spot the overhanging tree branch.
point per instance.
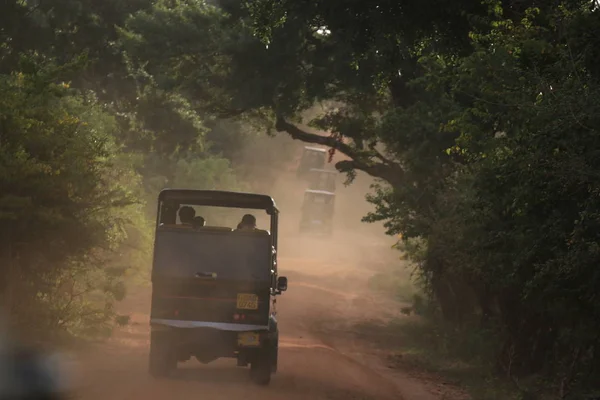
(282, 125)
(360, 160)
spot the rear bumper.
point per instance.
(209, 341)
(221, 326)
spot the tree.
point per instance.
(478, 119)
(65, 205)
(87, 139)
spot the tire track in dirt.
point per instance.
(321, 355)
(308, 368)
(340, 326)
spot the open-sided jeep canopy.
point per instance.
(312, 157)
(318, 149)
(170, 199)
(219, 198)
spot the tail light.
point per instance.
(239, 317)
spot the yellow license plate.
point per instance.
(247, 301)
(248, 339)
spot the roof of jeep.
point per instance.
(219, 198)
(327, 171)
(319, 149)
(312, 191)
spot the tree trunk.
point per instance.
(9, 273)
(485, 300)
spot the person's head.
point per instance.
(248, 222)
(186, 214)
(198, 222)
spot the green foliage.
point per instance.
(508, 237)
(209, 173)
(66, 205)
(395, 283)
(478, 120)
(87, 140)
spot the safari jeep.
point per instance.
(312, 158)
(214, 288)
(317, 212)
(323, 179)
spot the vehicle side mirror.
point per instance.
(282, 284)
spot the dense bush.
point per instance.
(87, 139)
(67, 203)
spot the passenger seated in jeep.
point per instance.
(186, 215)
(248, 223)
(198, 222)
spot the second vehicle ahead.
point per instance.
(312, 158)
(323, 179)
(317, 212)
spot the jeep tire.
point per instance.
(162, 359)
(274, 354)
(261, 366)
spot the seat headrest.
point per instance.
(260, 232)
(214, 228)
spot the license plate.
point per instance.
(248, 339)
(316, 222)
(247, 301)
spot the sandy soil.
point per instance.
(320, 355)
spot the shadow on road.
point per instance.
(212, 374)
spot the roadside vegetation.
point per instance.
(478, 118)
(86, 143)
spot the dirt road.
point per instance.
(308, 369)
(323, 300)
(319, 357)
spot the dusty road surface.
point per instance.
(311, 314)
(319, 356)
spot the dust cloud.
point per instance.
(354, 249)
(327, 299)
